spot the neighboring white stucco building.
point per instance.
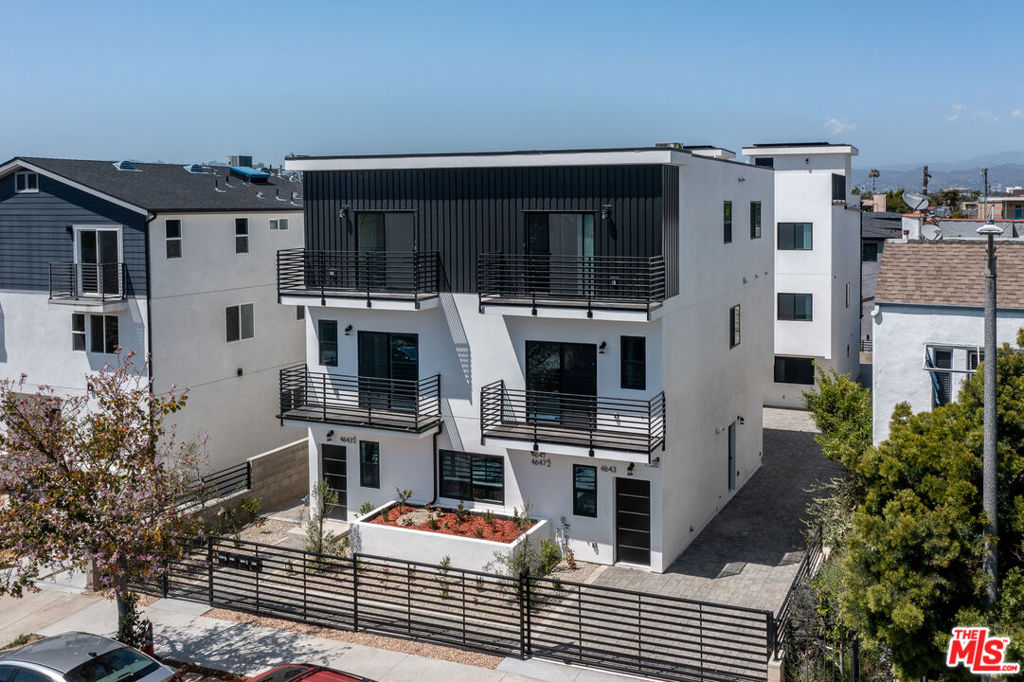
(650, 331)
(817, 264)
(928, 321)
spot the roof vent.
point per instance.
(195, 168)
(249, 174)
(125, 166)
(669, 145)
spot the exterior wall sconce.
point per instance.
(606, 211)
(330, 434)
(348, 330)
(629, 469)
(345, 210)
(719, 429)
(740, 420)
(602, 347)
(741, 179)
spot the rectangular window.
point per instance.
(974, 358)
(104, 333)
(241, 235)
(847, 294)
(26, 182)
(734, 326)
(279, 224)
(584, 490)
(300, 312)
(369, 464)
(795, 307)
(765, 162)
(327, 336)
(633, 371)
(794, 371)
(477, 478)
(240, 323)
(942, 382)
(838, 187)
(172, 235)
(77, 331)
(796, 236)
(869, 252)
(755, 219)
(727, 222)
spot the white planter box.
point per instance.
(429, 547)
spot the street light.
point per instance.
(989, 469)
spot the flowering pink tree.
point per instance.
(92, 481)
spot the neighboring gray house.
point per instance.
(875, 229)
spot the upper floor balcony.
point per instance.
(362, 403)
(605, 287)
(562, 423)
(100, 286)
(388, 280)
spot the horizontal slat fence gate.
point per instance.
(620, 630)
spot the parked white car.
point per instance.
(80, 657)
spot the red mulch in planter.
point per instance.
(498, 530)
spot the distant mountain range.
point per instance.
(1004, 169)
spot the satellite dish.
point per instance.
(931, 232)
(915, 201)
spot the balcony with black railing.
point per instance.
(89, 283)
(590, 283)
(385, 279)
(623, 428)
(370, 403)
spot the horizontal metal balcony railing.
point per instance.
(594, 281)
(88, 281)
(369, 274)
(391, 404)
(567, 419)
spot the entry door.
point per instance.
(98, 256)
(562, 379)
(633, 521)
(732, 456)
(388, 371)
(377, 236)
(334, 468)
(563, 246)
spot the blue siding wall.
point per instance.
(33, 233)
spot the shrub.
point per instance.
(403, 498)
(365, 508)
(550, 555)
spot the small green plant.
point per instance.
(432, 523)
(407, 521)
(442, 574)
(523, 558)
(131, 630)
(570, 559)
(20, 640)
(403, 498)
(447, 525)
(523, 521)
(317, 539)
(550, 555)
(488, 517)
(252, 505)
(365, 508)
(478, 532)
(460, 512)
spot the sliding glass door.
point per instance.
(561, 246)
(561, 383)
(388, 371)
(98, 255)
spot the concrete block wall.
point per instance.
(281, 476)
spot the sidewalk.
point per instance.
(183, 633)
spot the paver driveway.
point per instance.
(748, 554)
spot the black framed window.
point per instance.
(300, 312)
(869, 252)
(838, 187)
(794, 370)
(727, 222)
(172, 235)
(765, 162)
(241, 235)
(796, 236)
(734, 326)
(103, 333)
(239, 322)
(633, 373)
(795, 307)
(77, 331)
(369, 464)
(755, 219)
(476, 478)
(327, 337)
(584, 490)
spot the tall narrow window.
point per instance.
(369, 464)
(755, 219)
(26, 182)
(734, 326)
(300, 312)
(796, 236)
(847, 294)
(942, 381)
(77, 331)
(633, 372)
(795, 307)
(104, 333)
(327, 335)
(727, 222)
(172, 230)
(240, 323)
(241, 235)
(584, 490)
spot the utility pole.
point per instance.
(989, 466)
(984, 172)
(924, 181)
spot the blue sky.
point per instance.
(186, 81)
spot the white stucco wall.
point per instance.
(901, 333)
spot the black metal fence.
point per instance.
(594, 281)
(588, 421)
(395, 404)
(808, 565)
(217, 484)
(358, 273)
(93, 281)
(620, 630)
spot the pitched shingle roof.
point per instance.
(881, 225)
(169, 187)
(949, 273)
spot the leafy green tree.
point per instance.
(894, 201)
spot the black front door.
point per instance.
(633, 521)
(334, 469)
(561, 381)
(388, 371)
(385, 242)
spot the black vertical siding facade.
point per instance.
(34, 233)
(463, 212)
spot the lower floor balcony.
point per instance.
(360, 402)
(620, 428)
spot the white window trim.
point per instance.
(78, 229)
(26, 190)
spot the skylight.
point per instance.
(125, 166)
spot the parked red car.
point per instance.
(306, 672)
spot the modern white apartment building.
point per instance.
(817, 264)
(583, 330)
(175, 263)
